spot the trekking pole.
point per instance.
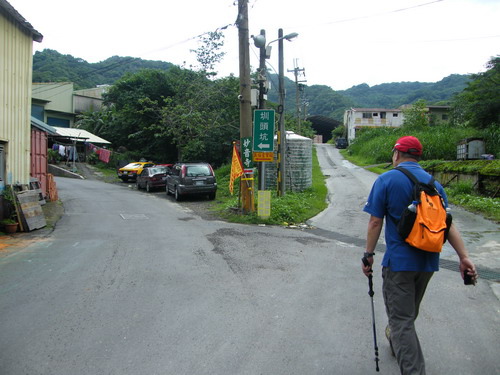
(371, 293)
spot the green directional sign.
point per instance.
(263, 130)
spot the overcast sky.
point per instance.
(340, 43)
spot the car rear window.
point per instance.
(132, 165)
(158, 170)
(198, 170)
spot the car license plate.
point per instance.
(199, 182)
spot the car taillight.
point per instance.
(211, 170)
(183, 171)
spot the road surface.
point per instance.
(135, 283)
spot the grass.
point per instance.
(292, 208)
(372, 149)
(462, 194)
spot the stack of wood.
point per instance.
(52, 188)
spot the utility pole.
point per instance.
(246, 181)
(296, 70)
(281, 110)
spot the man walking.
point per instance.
(406, 271)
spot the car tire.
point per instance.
(211, 196)
(148, 188)
(178, 196)
(137, 185)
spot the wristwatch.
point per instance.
(369, 255)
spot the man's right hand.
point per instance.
(366, 265)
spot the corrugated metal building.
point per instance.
(16, 64)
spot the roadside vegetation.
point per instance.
(291, 209)
(192, 115)
(372, 149)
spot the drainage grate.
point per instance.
(484, 273)
(490, 274)
(134, 217)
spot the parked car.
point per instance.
(152, 178)
(341, 143)
(191, 179)
(132, 170)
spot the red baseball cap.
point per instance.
(410, 145)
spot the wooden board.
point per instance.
(31, 210)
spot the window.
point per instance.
(382, 114)
(375, 114)
(367, 115)
(394, 115)
(54, 121)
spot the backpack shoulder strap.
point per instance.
(412, 177)
(408, 174)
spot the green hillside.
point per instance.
(51, 66)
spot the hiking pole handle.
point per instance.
(370, 281)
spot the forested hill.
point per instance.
(393, 95)
(51, 66)
(323, 100)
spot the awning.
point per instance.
(80, 135)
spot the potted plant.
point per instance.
(10, 223)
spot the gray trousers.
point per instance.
(403, 292)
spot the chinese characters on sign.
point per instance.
(263, 135)
(246, 154)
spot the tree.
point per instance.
(479, 104)
(208, 53)
(137, 101)
(203, 118)
(415, 116)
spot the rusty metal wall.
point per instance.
(16, 62)
(39, 145)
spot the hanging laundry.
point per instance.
(104, 155)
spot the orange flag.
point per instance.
(236, 168)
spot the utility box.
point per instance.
(470, 148)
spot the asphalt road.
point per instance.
(135, 283)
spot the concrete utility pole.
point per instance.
(296, 70)
(281, 111)
(246, 184)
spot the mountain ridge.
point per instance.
(52, 66)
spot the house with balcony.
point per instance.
(356, 119)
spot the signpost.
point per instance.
(263, 135)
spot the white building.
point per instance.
(358, 118)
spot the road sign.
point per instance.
(263, 156)
(263, 130)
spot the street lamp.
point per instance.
(265, 53)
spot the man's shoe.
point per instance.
(388, 335)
